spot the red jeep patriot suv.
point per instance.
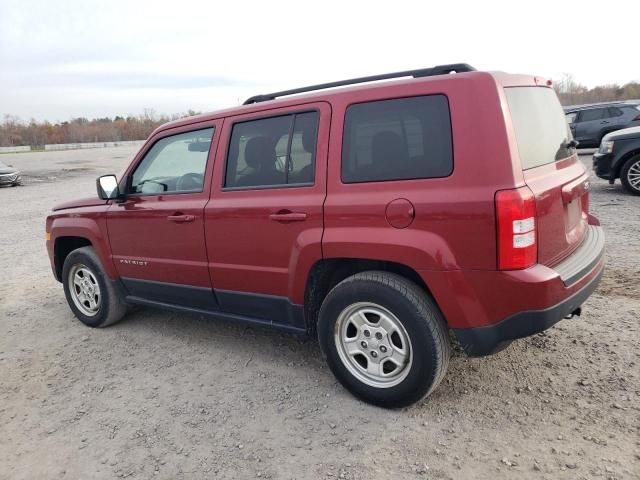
(386, 218)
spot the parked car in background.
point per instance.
(590, 123)
(9, 176)
(379, 218)
(619, 157)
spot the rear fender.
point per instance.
(422, 250)
(304, 255)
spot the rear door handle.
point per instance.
(287, 216)
(179, 218)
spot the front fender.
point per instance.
(91, 226)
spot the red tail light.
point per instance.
(517, 237)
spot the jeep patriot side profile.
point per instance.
(379, 217)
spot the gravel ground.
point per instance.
(166, 395)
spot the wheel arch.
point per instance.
(327, 273)
(69, 234)
(63, 246)
(632, 152)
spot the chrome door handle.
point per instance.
(288, 217)
(178, 218)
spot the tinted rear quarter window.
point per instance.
(400, 139)
(540, 126)
(615, 112)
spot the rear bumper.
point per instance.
(482, 341)
(485, 309)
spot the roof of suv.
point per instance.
(623, 103)
(325, 92)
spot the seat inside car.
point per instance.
(260, 155)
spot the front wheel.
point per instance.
(90, 294)
(630, 175)
(384, 338)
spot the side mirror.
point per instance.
(107, 186)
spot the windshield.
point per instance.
(540, 125)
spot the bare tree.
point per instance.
(13, 131)
(571, 92)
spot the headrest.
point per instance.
(260, 152)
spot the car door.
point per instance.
(590, 124)
(264, 222)
(157, 232)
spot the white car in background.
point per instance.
(9, 176)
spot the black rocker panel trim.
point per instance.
(241, 306)
(266, 307)
(171, 293)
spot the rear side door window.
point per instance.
(592, 114)
(272, 152)
(399, 139)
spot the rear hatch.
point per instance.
(552, 170)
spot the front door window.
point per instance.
(175, 164)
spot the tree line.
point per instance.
(571, 92)
(15, 132)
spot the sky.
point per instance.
(60, 60)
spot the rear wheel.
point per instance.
(384, 338)
(90, 294)
(630, 175)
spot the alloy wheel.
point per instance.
(373, 345)
(633, 175)
(85, 290)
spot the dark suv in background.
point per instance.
(590, 123)
(619, 157)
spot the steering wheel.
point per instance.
(190, 181)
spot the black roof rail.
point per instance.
(423, 72)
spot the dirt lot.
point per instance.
(166, 395)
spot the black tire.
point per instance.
(111, 308)
(625, 172)
(421, 319)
